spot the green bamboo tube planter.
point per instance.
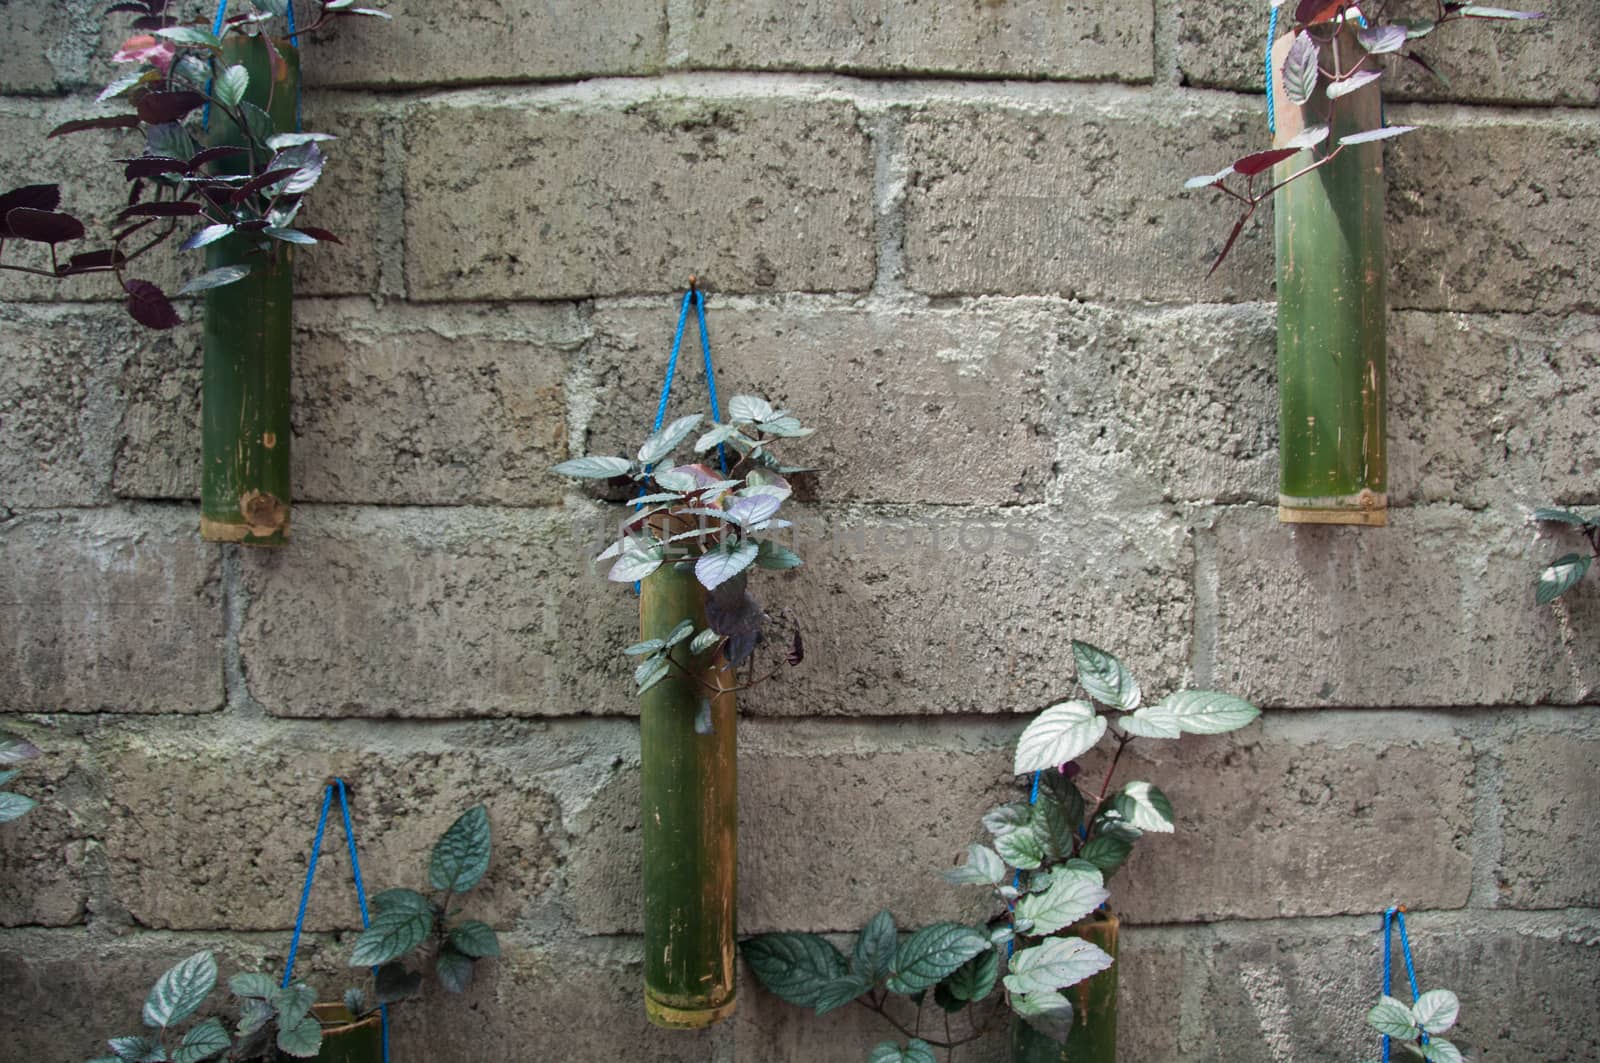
(244, 406)
(345, 1039)
(1331, 314)
(1094, 1009)
(689, 820)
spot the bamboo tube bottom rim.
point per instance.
(1369, 509)
(671, 1017)
(222, 531)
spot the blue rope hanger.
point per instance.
(311, 873)
(1392, 917)
(294, 41)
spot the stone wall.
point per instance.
(953, 234)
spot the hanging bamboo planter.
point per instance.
(244, 482)
(1094, 1009)
(1331, 313)
(689, 789)
(345, 1038)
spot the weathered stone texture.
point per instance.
(1084, 199)
(518, 198)
(208, 836)
(909, 405)
(1468, 230)
(436, 614)
(45, 855)
(1548, 795)
(109, 611)
(1299, 815)
(50, 44)
(1435, 610)
(348, 200)
(1087, 40)
(510, 40)
(1490, 62)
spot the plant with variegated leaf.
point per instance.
(1416, 1029)
(1047, 864)
(1323, 56)
(718, 521)
(1564, 573)
(14, 751)
(181, 78)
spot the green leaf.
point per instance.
(293, 1003)
(462, 854)
(1058, 734)
(355, 1001)
(1152, 721)
(594, 468)
(975, 979)
(724, 561)
(1436, 1010)
(252, 985)
(454, 969)
(875, 948)
(1106, 853)
(215, 278)
(749, 408)
(1441, 1051)
(651, 672)
(666, 441)
(391, 935)
(639, 649)
(704, 641)
(1054, 826)
(181, 990)
(1050, 1013)
(14, 806)
(1479, 11)
(1352, 83)
(135, 1048)
(1300, 69)
(254, 1014)
(840, 991)
(933, 953)
(794, 967)
(947, 1000)
(1561, 576)
(1069, 898)
(1146, 807)
(231, 86)
(14, 750)
(303, 1040)
(1055, 964)
(475, 939)
(393, 983)
(1393, 1019)
(1003, 819)
(1560, 516)
(683, 630)
(401, 900)
(203, 1042)
(640, 557)
(915, 1051)
(1383, 133)
(191, 36)
(1104, 678)
(983, 868)
(770, 555)
(1205, 712)
(785, 427)
(1021, 848)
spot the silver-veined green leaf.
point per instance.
(303, 1040)
(252, 985)
(1055, 964)
(1206, 712)
(15, 806)
(1147, 808)
(1392, 1019)
(770, 555)
(704, 641)
(1069, 898)
(454, 970)
(15, 750)
(1352, 84)
(1104, 678)
(1020, 848)
(666, 441)
(203, 1042)
(1441, 1051)
(933, 954)
(794, 967)
(1436, 1010)
(1561, 576)
(1152, 721)
(749, 408)
(873, 958)
(1048, 1012)
(1382, 133)
(475, 939)
(594, 467)
(839, 992)
(975, 979)
(461, 856)
(230, 87)
(640, 557)
(1058, 734)
(214, 278)
(1300, 69)
(915, 1051)
(391, 935)
(1560, 516)
(723, 562)
(983, 868)
(181, 990)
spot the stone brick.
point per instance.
(910, 405)
(436, 614)
(1437, 609)
(45, 855)
(349, 200)
(52, 45)
(393, 406)
(1083, 199)
(1089, 40)
(1541, 62)
(1378, 805)
(523, 40)
(1484, 409)
(109, 611)
(1549, 838)
(159, 456)
(229, 847)
(1467, 232)
(1276, 991)
(60, 401)
(595, 198)
(833, 827)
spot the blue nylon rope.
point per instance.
(311, 874)
(1391, 917)
(1272, 37)
(711, 376)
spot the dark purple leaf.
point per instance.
(255, 184)
(1238, 227)
(152, 23)
(42, 226)
(112, 121)
(150, 306)
(93, 262)
(797, 652)
(1311, 12)
(1380, 39)
(152, 166)
(254, 225)
(1300, 71)
(1262, 161)
(211, 155)
(322, 236)
(35, 197)
(182, 208)
(158, 107)
(135, 192)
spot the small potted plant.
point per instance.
(1324, 175)
(695, 535)
(1416, 1029)
(1047, 864)
(218, 112)
(14, 751)
(1563, 574)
